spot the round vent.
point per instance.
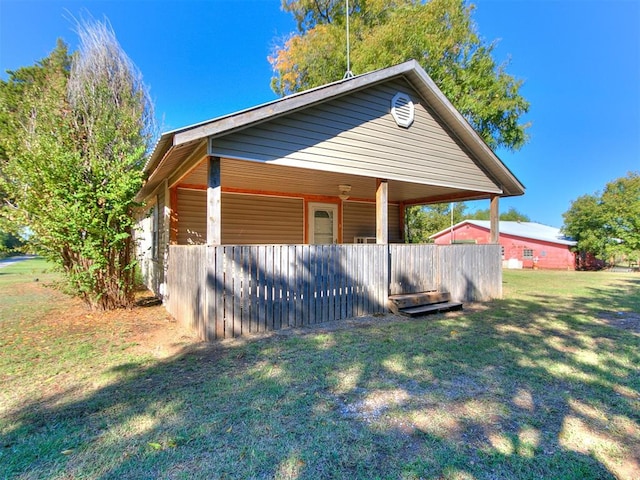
(402, 109)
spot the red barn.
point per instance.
(524, 244)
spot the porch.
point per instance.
(292, 213)
(226, 291)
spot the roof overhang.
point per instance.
(176, 146)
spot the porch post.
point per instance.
(494, 216)
(382, 211)
(214, 202)
(403, 213)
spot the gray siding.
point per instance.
(246, 219)
(357, 135)
(359, 220)
(152, 261)
(192, 217)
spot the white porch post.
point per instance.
(382, 211)
(494, 218)
(214, 202)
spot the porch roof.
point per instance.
(176, 147)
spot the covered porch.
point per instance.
(292, 213)
(239, 202)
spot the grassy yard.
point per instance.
(542, 384)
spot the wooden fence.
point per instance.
(468, 272)
(227, 291)
(231, 290)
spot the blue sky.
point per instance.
(580, 61)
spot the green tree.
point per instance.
(440, 34)
(511, 215)
(9, 243)
(415, 225)
(74, 132)
(607, 224)
(422, 221)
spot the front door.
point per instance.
(323, 223)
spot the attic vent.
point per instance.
(402, 109)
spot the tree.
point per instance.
(607, 224)
(422, 221)
(9, 243)
(415, 225)
(439, 34)
(74, 132)
(511, 215)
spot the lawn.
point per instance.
(544, 383)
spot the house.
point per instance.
(524, 244)
(292, 212)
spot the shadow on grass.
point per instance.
(524, 389)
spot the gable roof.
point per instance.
(176, 146)
(532, 230)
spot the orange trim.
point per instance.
(266, 193)
(361, 200)
(447, 198)
(191, 186)
(271, 193)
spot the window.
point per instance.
(502, 250)
(527, 253)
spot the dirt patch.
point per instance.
(146, 328)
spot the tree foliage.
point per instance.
(511, 215)
(607, 224)
(422, 221)
(74, 132)
(9, 243)
(439, 34)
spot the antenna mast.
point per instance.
(348, 73)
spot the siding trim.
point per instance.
(269, 193)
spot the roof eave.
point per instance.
(410, 70)
(465, 132)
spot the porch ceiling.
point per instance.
(257, 177)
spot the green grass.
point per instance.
(541, 384)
